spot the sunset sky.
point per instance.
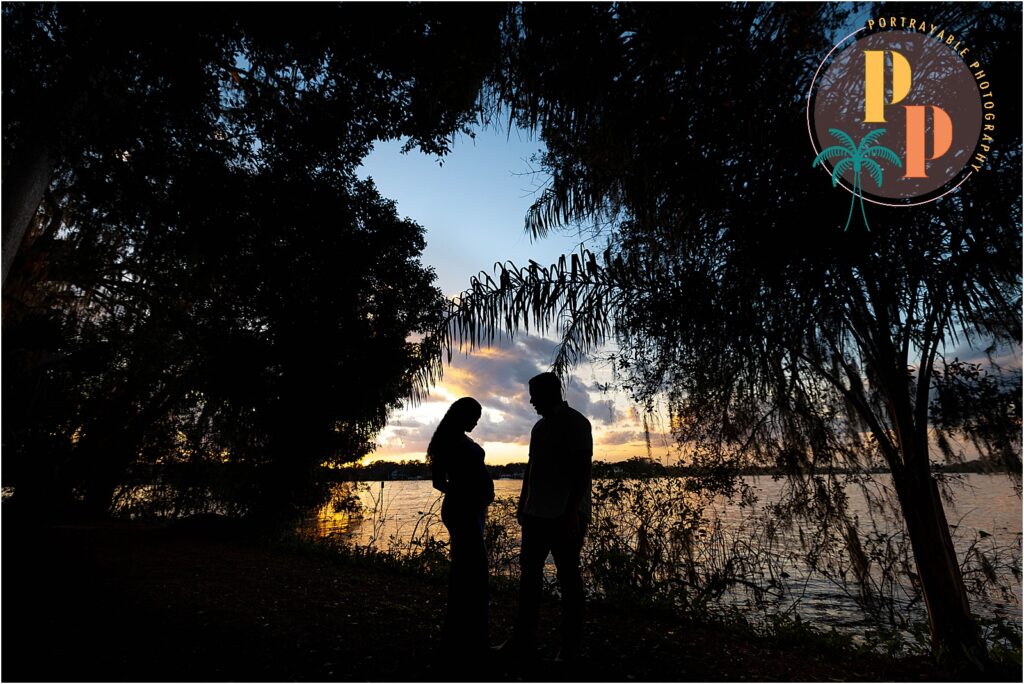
(472, 208)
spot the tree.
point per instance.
(322, 84)
(252, 329)
(857, 157)
(775, 338)
(207, 296)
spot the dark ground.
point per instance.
(120, 602)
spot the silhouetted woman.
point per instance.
(457, 469)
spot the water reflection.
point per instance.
(390, 515)
(984, 503)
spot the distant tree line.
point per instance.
(635, 467)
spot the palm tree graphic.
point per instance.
(858, 157)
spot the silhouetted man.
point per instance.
(554, 510)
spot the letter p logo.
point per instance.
(942, 138)
(874, 110)
(908, 111)
(874, 83)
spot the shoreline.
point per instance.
(132, 602)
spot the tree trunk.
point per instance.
(956, 639)
(24, 184)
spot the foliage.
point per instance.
(668, 545)
(257, 87)
(219, 359)
(982, 406)
(753, 320)
(1006, 641)
(776, 339)
(209, 295)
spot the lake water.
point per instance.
(987, 511)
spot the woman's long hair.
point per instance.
(452, 426)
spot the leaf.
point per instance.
(874, 169)
(830, 153)
(840, 169)
(885, 153)
(844, 138)
(868, 140)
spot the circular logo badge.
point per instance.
(896, 116)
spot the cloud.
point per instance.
(578, 394)
(1007, 357)
(511, 431)
(496, 373)
(404, 440)
(498, 378)
(619, 437)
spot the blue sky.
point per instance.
(472, 206)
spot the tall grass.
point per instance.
(666, 543)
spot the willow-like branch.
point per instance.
(577, 298)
